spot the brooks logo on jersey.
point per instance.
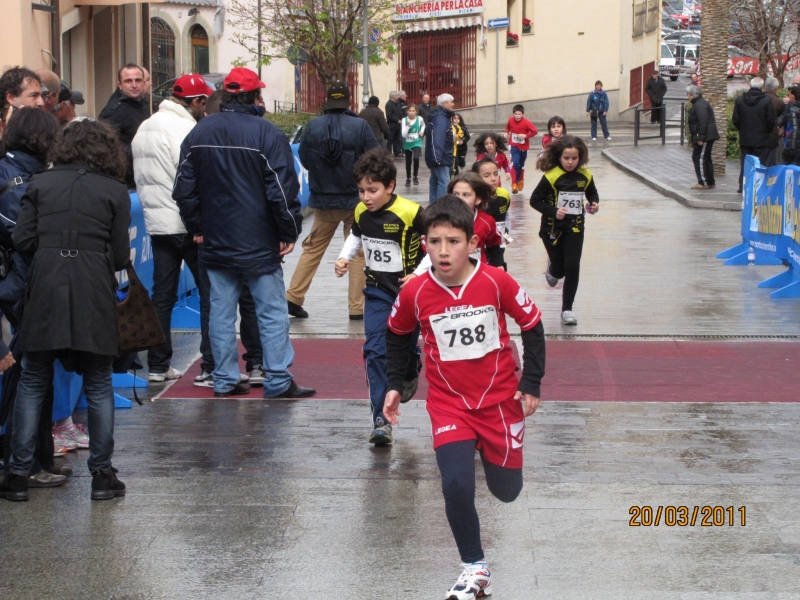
(445, 428)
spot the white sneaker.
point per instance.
(256, 376)
(161, 377)
(594, 139)
(206, 379)
(608, 139)
(70, 432)
(475, 581)
(551, 281)
(568, 318)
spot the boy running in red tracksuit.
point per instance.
(518, 132)
(474, 398)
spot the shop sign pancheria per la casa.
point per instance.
(413, 11)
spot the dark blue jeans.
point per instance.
(248, 326)
(169, 251)
(518, 158)
(37, 374)
(603, 124)
(377, 308)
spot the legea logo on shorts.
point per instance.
(517, 434)
(445, 428)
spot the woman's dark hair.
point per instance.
(483, 191)
(460, 119)
(243, 98)
(499, 142)
(377, 165)
(795, 91)
(449, 210)
(93, 143)
(476, 166)
(551, 157)
(32, 131)
(553, 121)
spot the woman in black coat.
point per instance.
(74, 220)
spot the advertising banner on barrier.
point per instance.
(770, 225)
(766, 212)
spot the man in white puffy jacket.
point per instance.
(156, 150)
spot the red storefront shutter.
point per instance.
(636, 86)
(436, 62)
(312, 93)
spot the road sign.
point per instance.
(498, 23)
(374, 35)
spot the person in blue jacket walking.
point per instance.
(597, 108)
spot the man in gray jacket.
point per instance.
(329, 149)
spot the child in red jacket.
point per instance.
(518, 133)
(493, 146)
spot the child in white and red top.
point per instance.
(556, 129)
(493, 146)
(474, 399)
(519, 131)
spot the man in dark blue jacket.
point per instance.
(439, 145)
(236, 189)
(330, 147)
(597, 108)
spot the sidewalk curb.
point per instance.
(682, 197)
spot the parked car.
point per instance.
(164, 91)
(681, 37)
(667, 65)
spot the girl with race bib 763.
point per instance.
(560, 196)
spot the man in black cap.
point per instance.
(65, 108)
(329, 148)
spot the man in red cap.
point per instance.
(156, 149)
(237, 189)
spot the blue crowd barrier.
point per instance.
(770, 226)
(186, 314)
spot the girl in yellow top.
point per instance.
(560, 196)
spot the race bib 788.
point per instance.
(466, 334)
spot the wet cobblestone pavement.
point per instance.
(251, 499)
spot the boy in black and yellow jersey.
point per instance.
(389, 228)
(560, 198)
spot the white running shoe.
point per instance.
(475, 581)
(161, 377)
(608, 139)
(568, 318)
(206, 379)
(594, 139)
(70, 432)
(551, 281)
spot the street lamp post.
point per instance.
(365, 54)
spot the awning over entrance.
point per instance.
(439, 24)
(115, 2)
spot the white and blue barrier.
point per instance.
(770, 225)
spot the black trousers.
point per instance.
(457, 465)
(657, 112)
(565, 261)
(412, 155)
(760, 152)
(791, 157)
(395, 143)
(703, 167)
(43, 455)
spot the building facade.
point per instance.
(547, 58)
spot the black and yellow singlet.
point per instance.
(560, 188)
(392, 241)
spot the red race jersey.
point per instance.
(467, 354)
(502, 163)
(486, 230)
(520, 132)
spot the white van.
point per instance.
(667, 64)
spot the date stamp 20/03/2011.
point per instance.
(684, 516)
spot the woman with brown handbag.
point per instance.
(74, 220)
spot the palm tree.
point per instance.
(716, 29)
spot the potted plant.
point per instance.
(512, 39)
(526, 25)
